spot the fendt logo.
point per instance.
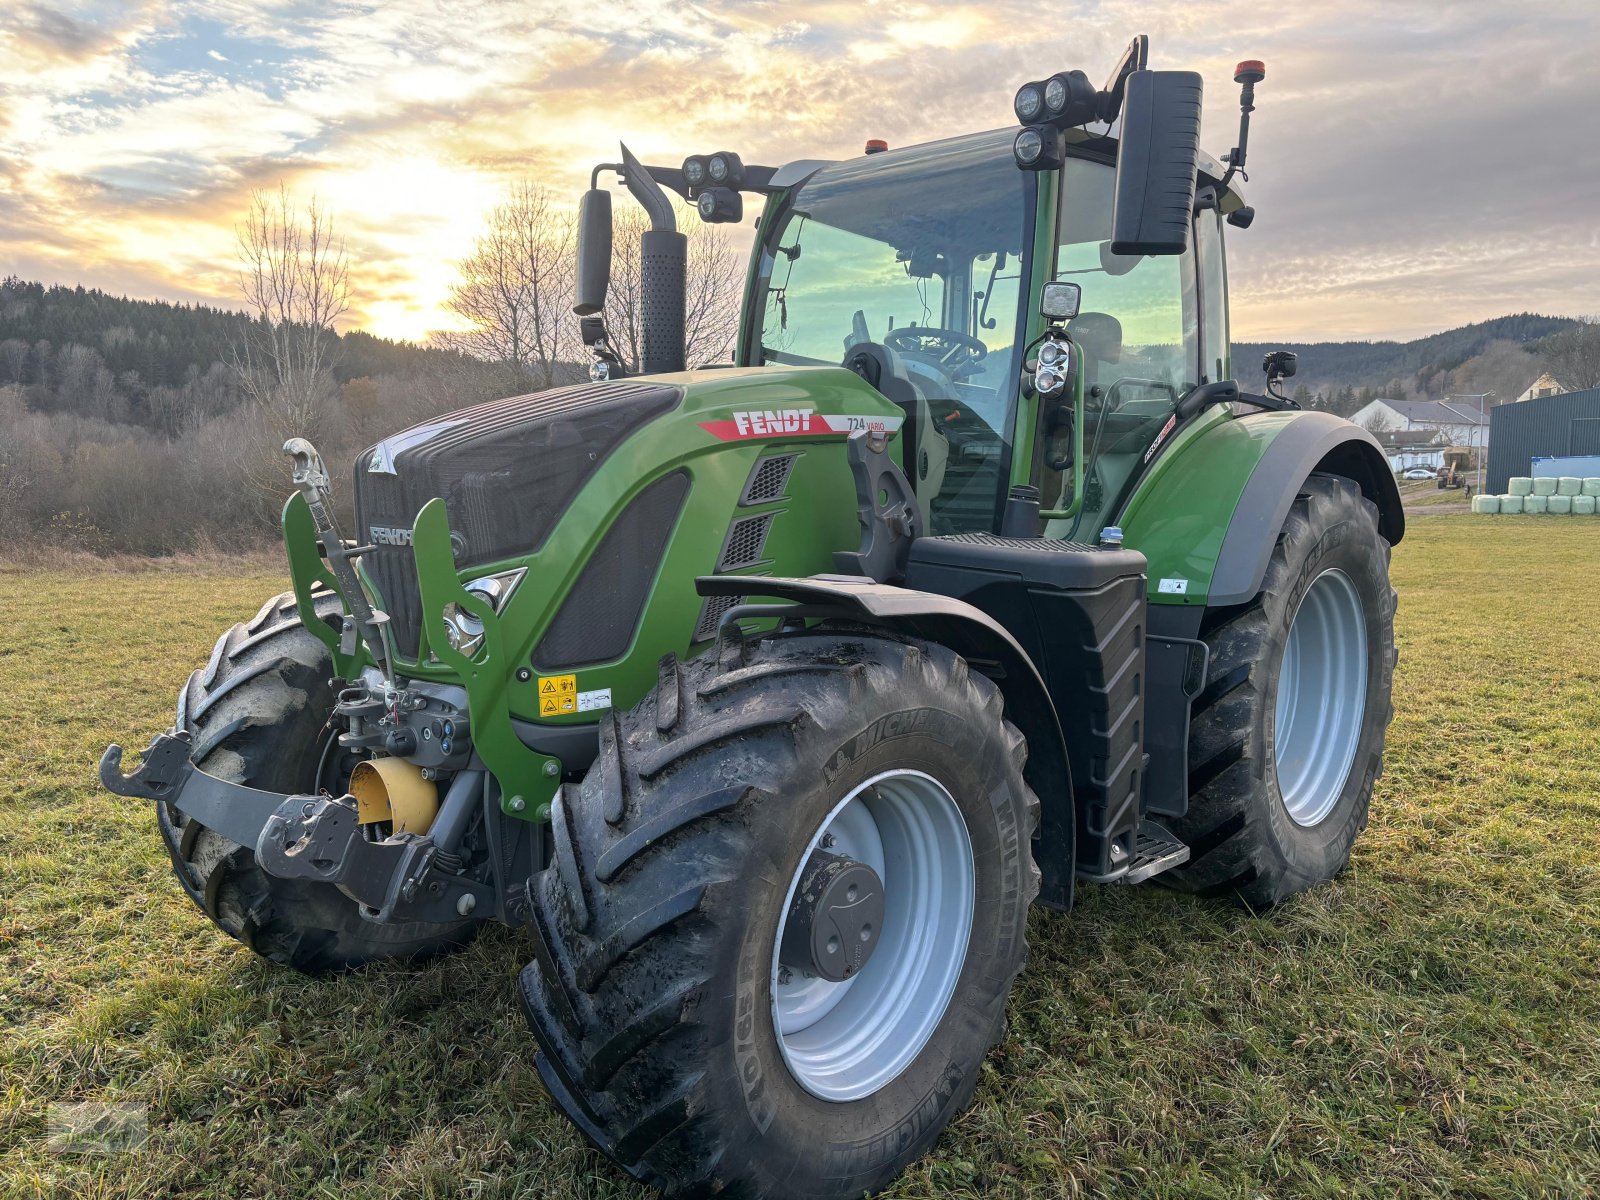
(390, 535)
(778, 422)
(768, 421)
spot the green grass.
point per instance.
(1429, 1025)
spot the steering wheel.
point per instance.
(949, 349)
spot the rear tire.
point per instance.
(257, 714)
(652, 993)
(1267, 818)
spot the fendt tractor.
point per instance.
(768, 696)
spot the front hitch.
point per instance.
(314, 838)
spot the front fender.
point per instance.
(985, 644)
(1208, 514)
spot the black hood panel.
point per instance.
(506, 471)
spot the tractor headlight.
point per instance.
(1029, 103)
(694, 171)
(1038, 148)
(462, 629)
(1048, 382)
(1055, 95)
(720, 205)
(725, 169)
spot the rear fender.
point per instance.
(986, 645)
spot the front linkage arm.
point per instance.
(314, 838)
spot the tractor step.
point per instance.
(1154, 851)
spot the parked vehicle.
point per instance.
(767, 699)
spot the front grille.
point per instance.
(506, 470)
(598, 618)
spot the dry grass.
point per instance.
(1427, 1026)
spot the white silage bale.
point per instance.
(1591, 487)
(1569, 485)
(1486, 504)
(1535, 504)
(1584, 506)
(1510, 504)
(1545, 485)
(1521, 485)
(1561, 504)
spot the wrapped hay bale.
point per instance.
(1584, 506)
(1591, 487)
(1535, 504)
(1569, 485)
(1521, 485)
(1486, 504)
(1545, 485)
(1510, 504)
(1561, 504)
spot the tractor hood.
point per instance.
(506, 471)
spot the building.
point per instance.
(1411, 448)
(1540, 388)
(1455, 421)
(1566, 424)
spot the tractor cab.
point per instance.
(921, 270)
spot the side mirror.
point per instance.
(1156, 163)
(1060, 300)
(594, 252)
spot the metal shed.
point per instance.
(1553, 426)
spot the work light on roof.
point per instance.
(1029, 103)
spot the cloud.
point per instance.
(1414, 165)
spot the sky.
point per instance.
(1414, 166)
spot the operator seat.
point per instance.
(925, 449)
(1099, 338)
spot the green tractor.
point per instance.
(768, 696)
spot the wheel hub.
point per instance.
(835, 919)
(901, 840)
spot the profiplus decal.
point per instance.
(793, 422)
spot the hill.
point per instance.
(1422, 367)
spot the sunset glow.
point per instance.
(1410, 173)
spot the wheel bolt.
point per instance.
(829, 841)
(784, 975)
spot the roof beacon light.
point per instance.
(1247, 74)
(876, 146)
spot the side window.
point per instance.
(1140, 325)
(1215, 356)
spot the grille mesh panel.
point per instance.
(600, 613)
(747, 537)
(711, 615)
(769, 478)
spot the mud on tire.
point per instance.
(257, 713)
(651, 989)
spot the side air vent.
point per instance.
(711, 613)
(746, 538)
(769, 479)
(600, 613)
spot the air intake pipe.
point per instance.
(663, 258)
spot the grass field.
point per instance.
(1429, 1025)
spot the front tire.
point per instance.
(655, 992)
(257, 715)
(1286, 738)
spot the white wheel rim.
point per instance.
(1321, 703)
(844, 1041)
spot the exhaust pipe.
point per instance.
(664, 254)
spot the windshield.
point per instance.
(908, 267)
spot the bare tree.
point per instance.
(516, 287)
(294, 274)
(1378, 421)
(1573, 355)
(715, 281)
